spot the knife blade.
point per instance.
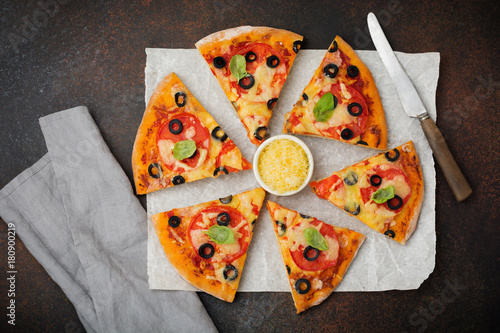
(413, 107)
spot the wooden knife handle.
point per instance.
(459, 185)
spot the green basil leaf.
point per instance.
(315, 239)
(383, 194)
(323, 110)
(184, 149)
(220, 234)
(238, 67)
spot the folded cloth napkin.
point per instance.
(77, 214)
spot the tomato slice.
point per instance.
(326, 258)
(192, 129)
(388, 173)
(328, 185)
(348, 98)
(222, 252)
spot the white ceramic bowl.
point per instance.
(264, 145)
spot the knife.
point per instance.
(413, 106)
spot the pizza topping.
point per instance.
(281, 228)
(304, 216)
(352, 71)
(223, 219)
(347, 134)
(219, 170)
(390, 233)
(395, 203)
(383, 194)
(226, 200)
(323, 110)
(375, 180)
(219, 62)
(220, 233)
(361, 142)
(154, 170)
(355, 109)
(331, 70)
(305, 97)
(175, 126)
(250, 56)
(247, 82)
(315, 239)
(334, 48)
(392, 155)
(184, 149)
(352, 208)
(174, 221)
(237, 66)
(302, 286)
(206, 251)
(271, 103)
(297, 45)
(178, 180)
(180, 99)
(273, 61)
(351, 178)
(311, 253)
(218, 134)
(260, 133)
(230, 273)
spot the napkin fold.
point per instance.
(76, 212)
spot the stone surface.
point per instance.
(92, 53)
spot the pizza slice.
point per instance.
(341, 102)
(178, 141)
(251, 65)
(385, 191)
(207, 243)
(316, 254)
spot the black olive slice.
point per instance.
(226, 200)
(305, 97)
(297, 45)
(250, 56)
(351, 108)
(304, 216)
(219, 170)
(353, 210)
(218, 134)
(175, 126)
(247, 82)
(393, 205)
(219, 62)
(223, 219)
(288, 269)
(260, 133)
(375, 180)
(178, 180)
(230, 273)
(307, 252)
(334, 48)
(331, 70)
(194, 154)
(346, 134)
(299, 285)
(389, 154)
(253, 222)
(202, 251)
(351, 178)
(271, 103)
(281, 228)
(361, 142)
(154, 170)
(174, 221)
(273, 61)
(352, 71)
(180, 99)
(390, 233)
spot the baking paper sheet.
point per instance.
(381, 264)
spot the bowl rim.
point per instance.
(265, 144)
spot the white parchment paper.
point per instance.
(381, 264)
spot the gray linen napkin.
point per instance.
(76, 213)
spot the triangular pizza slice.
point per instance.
(251, 65)
(341, 102)
(316, 254)
(384, 191)
(207, 243)
(178, 141)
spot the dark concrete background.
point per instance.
(92, 53)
